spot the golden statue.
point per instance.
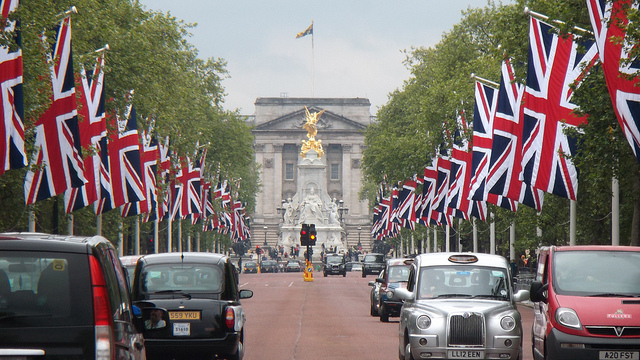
(312, 131)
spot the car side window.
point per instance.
(123, 288)
(411, 282)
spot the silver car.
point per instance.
(459, 306)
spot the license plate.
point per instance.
(466, 354)
(181, 329)
(184, 315)
(626, 355)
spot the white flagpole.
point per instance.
(572, 222)
(312, 62)
(615, 212)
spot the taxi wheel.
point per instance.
(325, 274)
(364, 273)
(384, 315)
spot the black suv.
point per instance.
(201, 294)
(335, 264)
(372, 264)
(66, 297)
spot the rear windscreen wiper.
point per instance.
(179, 292)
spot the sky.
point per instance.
(358, 45)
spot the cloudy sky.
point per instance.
(358, 45)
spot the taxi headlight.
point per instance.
(508, 323)
(423, 322)
(568, 317)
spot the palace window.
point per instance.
(335, 171)
(288, 171)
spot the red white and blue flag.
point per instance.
(57, 161)
(429, 180)
(93, 129)
(149, 154)
(164, 162)
(186, 199)
(609, 20)
(407, 198)
(127, 180)
(12, 154)
(506, 149)
(555, 65)
(458, 195)
(483, 117)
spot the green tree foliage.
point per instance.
(410, 126)
(149, 53)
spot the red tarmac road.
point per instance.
(288, 318)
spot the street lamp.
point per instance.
(342, 210)
(359, 243)
(282, 210)
(265, 234)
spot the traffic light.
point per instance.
(258, 250)
(312, 234)
(304, 235)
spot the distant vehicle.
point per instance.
(201, 294)
(66, 297)
(395, 275)
(269, 266)
(250, 267)
(129, 263)
(459, 305)
(372, 264)
(586, 296)
(293, 266)
(334, 264)
(374, 295)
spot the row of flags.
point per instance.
(520, 145)
(122, 168)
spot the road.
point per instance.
(288, 318)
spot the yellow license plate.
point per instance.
(184, 315)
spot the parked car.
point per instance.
(200, 292)
(334, 264)
(395, 275)
(251, 267)
(459, 305)
(269, 266)
(129, 263)
(586, 297)
(66, 297)
(356, 267)
(293, 266)
(372, 264)
(374, 295)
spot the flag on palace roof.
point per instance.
(57, 161)
(624, 92)
(12, 153)
(308, 31)
(555, 64)
(93, 129)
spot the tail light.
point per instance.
(103, 320)
(230, 318)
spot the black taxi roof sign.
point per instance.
(463, 258)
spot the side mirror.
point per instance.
(154, 320)
(537, 291)
(521, 295)
(379, 280)
(400, 294)
(372, 283)
(245, 294)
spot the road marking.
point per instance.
(290, 284)
(244, 284)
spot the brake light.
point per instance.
(101, 313)
(230, 318)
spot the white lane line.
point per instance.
(290, 284)
(245, 284)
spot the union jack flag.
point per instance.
(127, 180)
(12, 154)
(407, 201)
(429, 180)
(93, 129)
(57, 162)
(105, 202)
(186, 199)
(506, 149)
(149, 159)
(439, 212)
(165, 169)
(624, 92)
(457, 196)
(555, 64)
(483, 117)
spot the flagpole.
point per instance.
(155, 236)
(615, 211)
(312, 63)
(485, 81)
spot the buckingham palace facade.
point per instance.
(279, 134)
